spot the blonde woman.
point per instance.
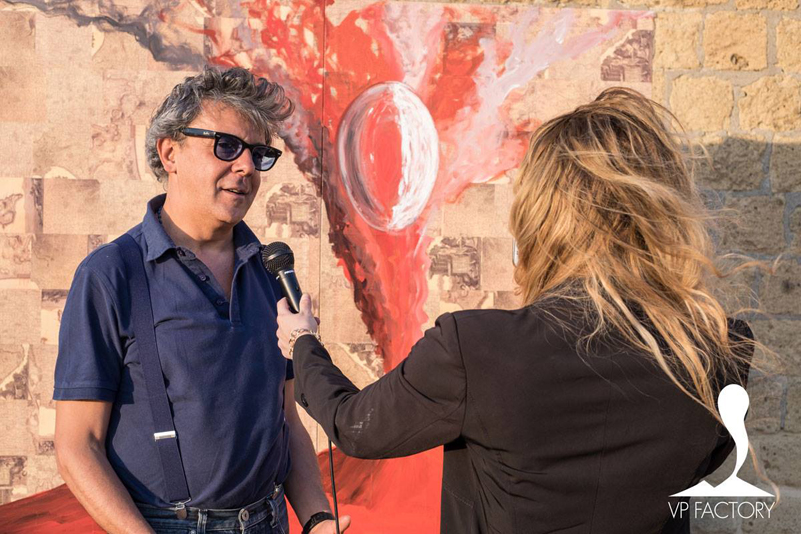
(583, 411)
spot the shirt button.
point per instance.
(203, 277)
(181, 252)
(303, 400)
(220, 302)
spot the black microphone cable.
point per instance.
(333, 487)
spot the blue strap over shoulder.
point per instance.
(145, 334)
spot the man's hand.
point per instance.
(289, 321)
(330, 526)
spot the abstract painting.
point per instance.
(401, 108)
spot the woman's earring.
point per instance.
(514, 255)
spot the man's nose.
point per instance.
(244, 163)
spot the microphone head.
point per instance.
(276, 257)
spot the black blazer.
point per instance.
(538, 439)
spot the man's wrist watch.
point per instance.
(316, 519)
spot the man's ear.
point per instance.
(167, 152)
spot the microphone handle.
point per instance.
(289, 283)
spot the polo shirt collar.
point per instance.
(158, 242)
(246, 243)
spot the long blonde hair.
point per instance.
(606, 212)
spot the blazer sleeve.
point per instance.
(417, 406)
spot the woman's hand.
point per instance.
(289, 321)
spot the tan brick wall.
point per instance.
(729, 69)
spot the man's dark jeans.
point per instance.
(267, 516)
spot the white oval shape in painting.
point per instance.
(388, 155)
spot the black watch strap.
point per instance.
(316, 519)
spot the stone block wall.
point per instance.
(731, 72)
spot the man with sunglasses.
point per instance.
(233, 443)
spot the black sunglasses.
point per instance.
(228, 147)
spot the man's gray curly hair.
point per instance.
(259, 101)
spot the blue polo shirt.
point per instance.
(223, 370)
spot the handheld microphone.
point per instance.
(279, 261)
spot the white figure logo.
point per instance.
(732, 405)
